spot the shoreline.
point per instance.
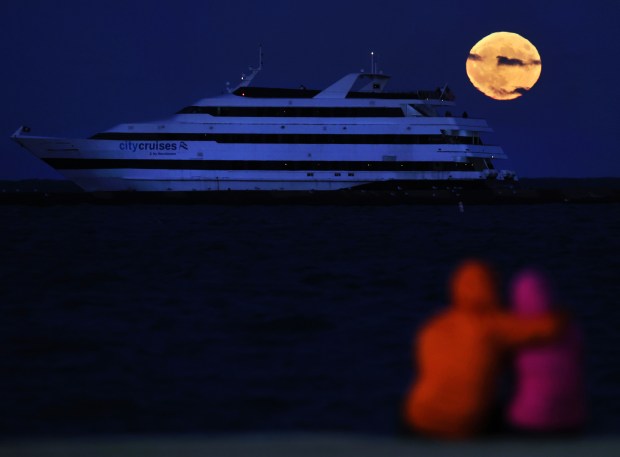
(525, 191)
(306, 444)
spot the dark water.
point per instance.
(148, 319)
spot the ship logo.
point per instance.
(183, 145)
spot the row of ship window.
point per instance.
(310, 111)
(293, 111)
(474, 164)
(294, 138)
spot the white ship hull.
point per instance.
(193, 166)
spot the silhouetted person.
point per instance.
(459, 355)
(550, 392)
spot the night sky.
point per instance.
(74, 68)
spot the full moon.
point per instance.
(503, 65)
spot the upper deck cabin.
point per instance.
(354, 85)
(355, 95)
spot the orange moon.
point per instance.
(503, 65)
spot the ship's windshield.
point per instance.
(425, 110)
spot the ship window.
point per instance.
(424, 110)
(291, 111)
(310, 166)
(296, 138)
(478, 164)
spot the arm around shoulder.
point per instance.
(517, 331)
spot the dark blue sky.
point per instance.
(73, 68)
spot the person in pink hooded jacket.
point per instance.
(550, 393)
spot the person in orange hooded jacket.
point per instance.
(460, 353)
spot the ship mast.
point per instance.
(246, 80)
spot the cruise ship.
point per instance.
(351, 135)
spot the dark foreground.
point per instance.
(323, 445)
(207, 323)
(528, 191)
